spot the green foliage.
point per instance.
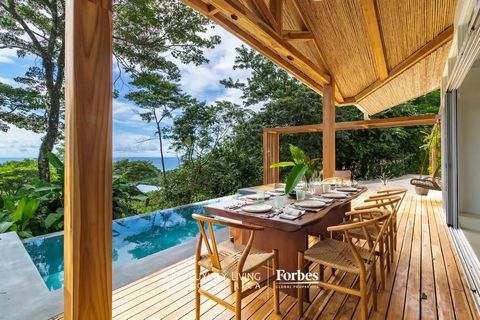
(137, 171)
(147, 35)
(157, 98)
(14, 175)
(124, 194)
(16, 215)
(302, 166)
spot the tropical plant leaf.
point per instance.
(283, 164)
(8, 204)
(52, 218)
(298, 155)
(30, 208)
(140, 197)
(4, 226)
(18, 213)
(55, 161)
(295, 176)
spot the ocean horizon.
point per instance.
(170, 162)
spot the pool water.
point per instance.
(133, 238)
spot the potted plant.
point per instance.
(384, 175)
(303, 166)
(431, 147)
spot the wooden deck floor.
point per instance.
(426, 282)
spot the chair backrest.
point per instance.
(211, 245)
(343, 174)
(386, 202)
(379, 219)
(391, 192)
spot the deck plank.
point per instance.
(425, 263)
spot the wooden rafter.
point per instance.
(245, 20)
(264, 12)
(293, 35)
(373, 28)
(260, 47)
(422, 120)
(276, 8)
(439, 41)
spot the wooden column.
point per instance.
(328, 144)
(88, 160)
(271, 154)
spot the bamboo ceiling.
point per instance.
(378, 52)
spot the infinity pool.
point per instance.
(133, 238)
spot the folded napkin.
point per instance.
(293, 212)
(326, 200)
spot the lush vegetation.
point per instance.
(220, 142)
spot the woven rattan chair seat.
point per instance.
(358, 233)
(335, 254)
(229, 255)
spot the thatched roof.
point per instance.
(378, 53)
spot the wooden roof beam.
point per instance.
(373, 28)
(264, 12)
(276, 8)
(421, 120)
(293, 35)
(260, 47)
(241, 17)
(439, 41)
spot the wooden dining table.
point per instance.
(287, 236)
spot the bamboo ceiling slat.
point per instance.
(408, 25)
(422, 78)
(340, 30)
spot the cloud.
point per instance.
(203, 82)
(19, 143)
(8, 56)
(8, 81)
(131, 145)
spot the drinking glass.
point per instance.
(260, 195)
(278, 202)
(300, 194)
(326, 188)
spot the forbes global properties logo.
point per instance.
(287, 279)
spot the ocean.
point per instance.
(170, 162)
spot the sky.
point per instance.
(132, 137)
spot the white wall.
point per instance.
(469, 142)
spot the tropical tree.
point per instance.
(157, 99)
(146, 37)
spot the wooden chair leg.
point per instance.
(299, 288)
(232, 286)
(363, 297)
(321, 272)
(274, 284)
(197, 293)
(238, 298)
(389, 255)
(374, 285)
(382, 263)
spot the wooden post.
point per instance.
(328, 145)
(88, 160)
(271, 154)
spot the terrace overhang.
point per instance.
(380, 53)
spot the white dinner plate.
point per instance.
(310, 204)
(279, 190)
(347, 189)
(334, 195)
(257, 208)
(255, 197)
